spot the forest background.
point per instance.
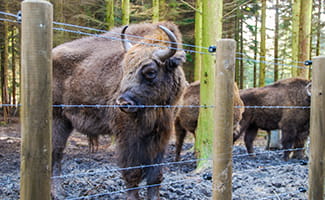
(242, 20)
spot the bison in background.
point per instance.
(293, 122)
(106, 71)
(186, 118)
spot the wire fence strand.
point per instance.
(139, 37)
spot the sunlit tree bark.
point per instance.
(295, 34)
(304, 35)
(125, 12)
(212, 31)
(155, 10)
(110, 13)
(198, 40)
(263, 45)
(276, 42)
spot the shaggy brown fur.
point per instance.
(186, 118)
(96, 70)
(294, 123)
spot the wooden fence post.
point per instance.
(36, 111)
(223, 136)
(317, 131)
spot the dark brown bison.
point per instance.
(105, 71)
(186, 118)
(294, 122)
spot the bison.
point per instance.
(186, 118)
(105, 71)
(294, 122)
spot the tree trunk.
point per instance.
(212, 30)
(263, 45)
(229, 22)
(125, 12)
(162, 9)
(318, 29)
(304, 34)
(110, 14)
(241, 62)
(295, 35)
(4, 65)
(276, 42)
(237, 30)
(255, 52)
(198, 40)
(13, 63)
(155, 11)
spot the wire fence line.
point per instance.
(275, 152)
(161, 106)
(150, 106)
(139, 37)
(128, 40)
(130, 189)
(187, 178)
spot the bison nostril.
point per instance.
(126, 104)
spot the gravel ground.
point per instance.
(265, 176)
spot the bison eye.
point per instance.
(149, 72)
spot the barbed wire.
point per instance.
(182, 180)
(271, 58)
(134, 36)
(8, 14)
(157, 106)
(272, 63)
(160, 106)
(132, 41)
(281, 195)
(128, 35)
(276, 152)
(130, 189)
(7, 20)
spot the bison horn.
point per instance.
(164, 54)
(126, 44)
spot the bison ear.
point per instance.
(126, 44)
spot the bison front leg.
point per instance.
(154, 178)
(132, 179)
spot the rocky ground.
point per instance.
(95, 176)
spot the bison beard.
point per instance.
(97, 70)
(294, 123)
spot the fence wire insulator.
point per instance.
(212, 49)
(308, 62)
(19, 16)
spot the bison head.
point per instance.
(151, 75)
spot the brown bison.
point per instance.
(105, 71)
(294, 122)
(186, 118)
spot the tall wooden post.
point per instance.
(36, 112)
(317, 133)
(223, 136)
